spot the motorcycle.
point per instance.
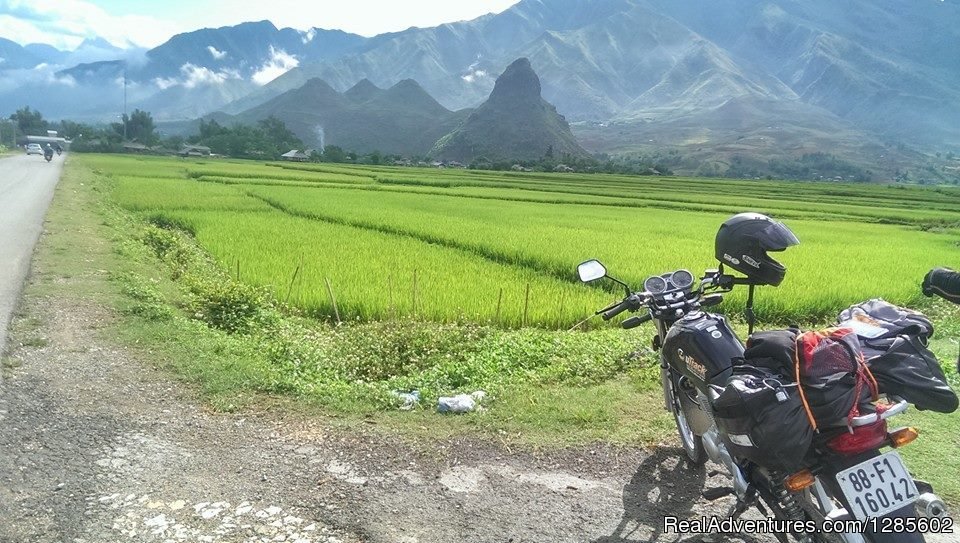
(847, 490)
(48, 154)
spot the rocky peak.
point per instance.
(517, 83)
(364, 90)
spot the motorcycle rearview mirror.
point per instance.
(591, 270)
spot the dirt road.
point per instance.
(26, 187)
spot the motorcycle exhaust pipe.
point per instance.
(931, 506)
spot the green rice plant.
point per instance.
(139, 166)
(836, 264)
(376, 276)
(143, 194)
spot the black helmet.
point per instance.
(743, 241)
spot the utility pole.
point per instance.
(124, 101)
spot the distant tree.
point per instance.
(173, 142)
(72, 130)
(276, 134)
(374, 158)
(269, 139)
(30, 122)
(332, 153)
(208, 129)
(138, 126)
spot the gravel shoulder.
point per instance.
(97, 445)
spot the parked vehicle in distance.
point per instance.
(34, 149)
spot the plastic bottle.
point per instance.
(408, 399)
(461, 403)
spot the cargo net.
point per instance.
(828, 357)
(828, 361)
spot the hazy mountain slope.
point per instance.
(15, 56)
(515, 123)
(403, 119)
(885, 66)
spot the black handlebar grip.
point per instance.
(943, 282)
(620, 308)
(633, 322)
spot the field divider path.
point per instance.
(476, 250)
(636, 203)
(783, 209)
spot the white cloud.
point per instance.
(308, 36)
(67, 80)
(195, 76)
(473, 76)
(66, 23)
(165, 83)
(280, 63)
(47, 72)
(216, 54)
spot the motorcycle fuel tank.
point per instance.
(702, 347)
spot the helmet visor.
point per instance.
(776, 237)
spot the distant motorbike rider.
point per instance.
(58, 148)
(48, 152)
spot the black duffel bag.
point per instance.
(894, 343)
(904, 366)
(761, 418)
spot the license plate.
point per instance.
(877, 486)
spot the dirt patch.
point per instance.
(99, 446)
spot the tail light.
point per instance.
(862, 439)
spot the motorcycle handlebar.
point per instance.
(632, 302)
(633, 322)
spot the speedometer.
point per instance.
(655, 284)
(682, 279)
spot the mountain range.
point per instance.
(705, 76)
(403, 119)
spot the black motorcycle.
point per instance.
(48, 154)
(847, 490)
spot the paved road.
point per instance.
(26, 188)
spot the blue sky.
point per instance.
(65, 23)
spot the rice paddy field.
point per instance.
(501, 248)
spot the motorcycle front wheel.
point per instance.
(692, 443)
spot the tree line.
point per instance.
(269, 138)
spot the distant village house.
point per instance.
(295, 155)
